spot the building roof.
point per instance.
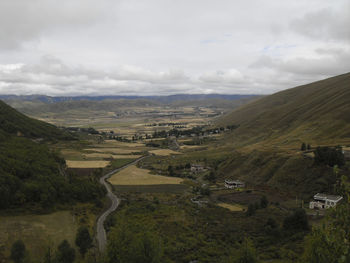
(234, 182)
(324, 197)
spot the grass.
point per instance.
(37, 231)
(133, 175)
(163, 152)
(87, 164)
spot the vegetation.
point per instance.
(65, 253)
(297, 221)
(329, 156)
(329, 242)
(83, 240)
(316, 112)
(18, 251)
(13, 122)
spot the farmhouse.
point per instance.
(324, 201)
(234, 184)
(196, 168)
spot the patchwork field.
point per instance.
(111, 150)
(113, 156)
(133, 175)
(87, 164)
(37, 231)
(163, 152)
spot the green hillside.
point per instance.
(31, 174)
(16, 123)
(317, 113)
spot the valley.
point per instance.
(171, 164)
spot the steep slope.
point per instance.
(31, 173)
(16, 123)
(317, 113)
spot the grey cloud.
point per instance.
(327, 23)
(23, 21)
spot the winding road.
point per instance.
(100, 230)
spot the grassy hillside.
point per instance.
(15, 123)
(318, 113)
(31, 174)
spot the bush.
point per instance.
(18, 251)
(297, 221)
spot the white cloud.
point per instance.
(166, 47)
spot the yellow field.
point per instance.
(114, 156)
(112, 150)
(87, 164)
(163, 152)
(133, 175)
(190, 147)
(114, 143)
(231, 207)
(37, 231)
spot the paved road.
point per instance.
(100, 230)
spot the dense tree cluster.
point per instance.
(329, 156)
(31, 173)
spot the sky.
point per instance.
(162, 47)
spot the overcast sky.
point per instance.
(160, 47)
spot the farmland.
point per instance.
(133, 175)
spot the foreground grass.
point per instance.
(37, 231)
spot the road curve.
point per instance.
(100, 230)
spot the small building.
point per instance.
(234, 184)
(196, 168)
(346, 153)
(324, 201)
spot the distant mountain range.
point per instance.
(162, 99)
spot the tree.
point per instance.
(18, 251)
(171, 170)
(246, 253)
(211, 177)
(303, 146)
(65, 253)
(264, 202)
(297, 221)
(329, 156)
(129, 243)
(83, 240)
(251, 210)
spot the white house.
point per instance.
(234, 184)
(324, 201)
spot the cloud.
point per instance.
(324, 62)
(165, 47)
(326, 23)
(26, 21)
